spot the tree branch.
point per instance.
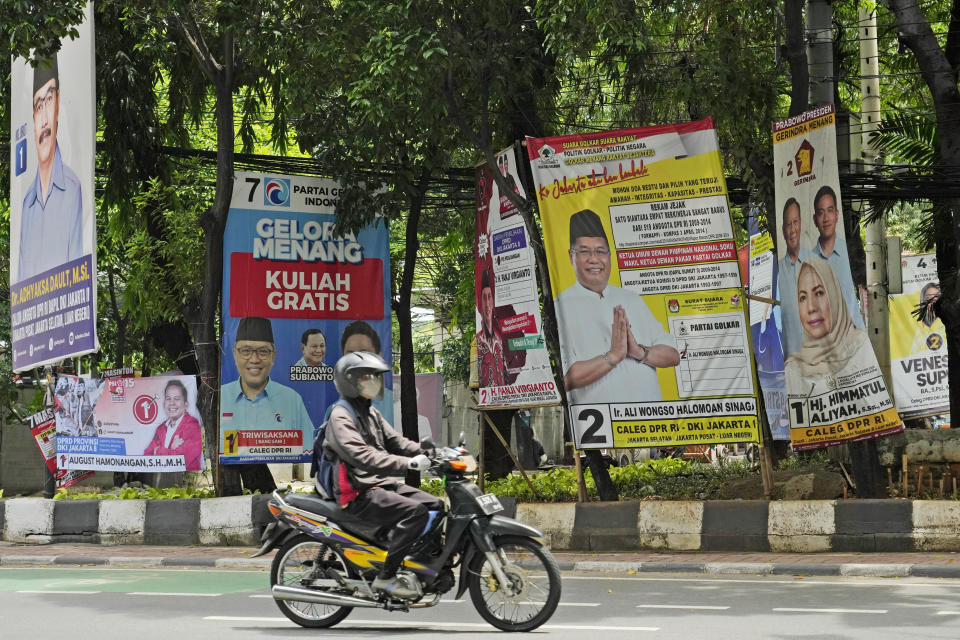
(190, 31)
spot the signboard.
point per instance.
(429, 405)
(835, 391)
(43, 428)
(765, 322)
(53, 244)
(918, 348)
(145, 425)
(653, 330)
(513, 364)
(296, 296)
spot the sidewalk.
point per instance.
(926, 565)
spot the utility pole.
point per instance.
(820, 51)
(877, 307)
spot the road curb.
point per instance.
(873, 570)
(745, 526)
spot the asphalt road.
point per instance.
(104, 604)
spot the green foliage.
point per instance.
(134, 493)
(669, 478)
(804, 460)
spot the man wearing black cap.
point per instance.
(491, 365)
(52, 215)
(254, 401)
(613, 343)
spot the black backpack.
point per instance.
(322, 466)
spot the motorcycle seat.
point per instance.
(330, 510)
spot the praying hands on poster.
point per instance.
(623, 344)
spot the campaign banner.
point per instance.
(918, 348)
(43, 428)
(765, 322)
(835, 391)
(296, 296)
(653, 327)
(146, 425)
(429, 405)
(513, 364)
(53, 235)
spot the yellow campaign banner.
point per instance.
(918, 348)
(835, 390)
(647, 287)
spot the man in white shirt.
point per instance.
(608, 335)
(788, 270)
(833, 249)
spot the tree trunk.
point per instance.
(601, 476)
(496, 461)
(940, 75)
(408, 380)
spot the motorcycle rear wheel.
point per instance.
(299, 561)
(533, 594)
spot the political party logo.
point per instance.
(276, 192)
(145, 409)
(71, 338)
(934, 341)
(546, 151)
(735, 300)
(674, 306)
(50, 344)
(804, 158)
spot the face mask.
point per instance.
(370, 386)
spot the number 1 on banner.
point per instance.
(592, 426)
(798, 414)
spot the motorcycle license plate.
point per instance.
(489, 503)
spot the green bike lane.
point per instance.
(82, 580)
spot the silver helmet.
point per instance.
(350, 367)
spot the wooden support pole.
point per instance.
(581, 484)
(513, 456)
(480, 478)
(890, 480)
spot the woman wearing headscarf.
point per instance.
(832, 345)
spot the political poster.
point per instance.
(918, 348)
(649, 298)
(835, 390)
(297, 295)
(53, 244)
(429, 405)
(765, 323)
(43, 428)
(513, 365)
(144, 425)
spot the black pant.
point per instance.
(403, 512)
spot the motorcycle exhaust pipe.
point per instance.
(299, 594)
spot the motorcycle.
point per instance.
(327, 559)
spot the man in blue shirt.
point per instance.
(789, 269)
(254, 401)
(834, 249)
(52, 215)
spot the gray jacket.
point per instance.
(375, 453)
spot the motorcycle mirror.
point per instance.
(462, 442)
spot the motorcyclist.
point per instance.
(371, 459)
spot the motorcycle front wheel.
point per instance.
(532, 592)
(299, 562)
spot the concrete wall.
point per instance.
(719, 525)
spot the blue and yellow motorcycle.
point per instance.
(328, 559)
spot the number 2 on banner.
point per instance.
(592, 423)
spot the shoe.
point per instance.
(397, 587)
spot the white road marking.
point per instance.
(840, 580)
(55, 591)
(799, 610)
(681, 606)
(161, 593)
(948, 613)
(435, 625)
